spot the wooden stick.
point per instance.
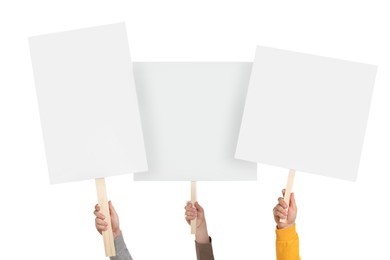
(290, 182)
(108, 237)
(193, 199)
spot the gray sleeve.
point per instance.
(204, 251)
(122, 253)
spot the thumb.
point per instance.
(112, 209)
(198, 207)
(292, 201)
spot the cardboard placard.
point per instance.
(88, 106)
(191, 113)
(306, 112)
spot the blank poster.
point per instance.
(191, 114)
(306, 112)
(87, 103)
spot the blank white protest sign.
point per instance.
(306, 112)
(191, 113)
(87, 103)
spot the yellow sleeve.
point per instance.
(287, 244)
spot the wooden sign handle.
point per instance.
(108, 237)
(193, 200)
(290, 182)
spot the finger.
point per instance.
(191, 212)
(97, 212)
(191, 215)
(189, 218)
(198, 207)
(279, 214)
(292, 201)
(100, 222)
(101, 227)
(282, 203)
(112, 209)
(280, 209)
(99, 215)
(189, 206)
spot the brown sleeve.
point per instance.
(204, 251)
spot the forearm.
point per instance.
(203, 247)
(201, 235)
(122, 253)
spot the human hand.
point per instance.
(102, 225)
(195, 212)
(280, 212)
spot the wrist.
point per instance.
(284, 225)
(116, 233)
(202, 226)
(202, 236)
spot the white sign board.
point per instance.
(87, 103)
(88, 108)
(191, 114)
(306, 112)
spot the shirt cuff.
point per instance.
(196, 243)
(204, 251)
(286, 234)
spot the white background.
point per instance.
(336, 219)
